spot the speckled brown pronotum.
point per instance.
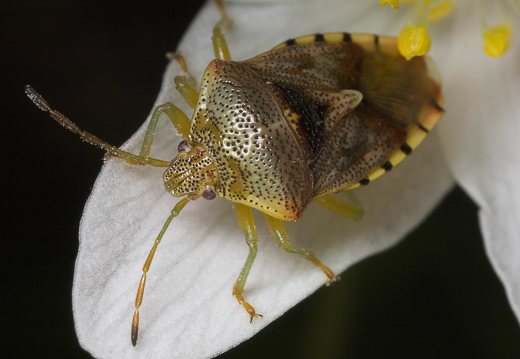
(313, 116)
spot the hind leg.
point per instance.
(279, 233)
(337, 204)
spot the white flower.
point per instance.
(188, 309)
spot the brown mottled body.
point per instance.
(313, 116)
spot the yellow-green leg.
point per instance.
(279, 233)
(186, 83)
(146, 267)
(179, 120)
(338, 205)
(247, 224)
(220, 46)
(183, 84)
(177, 117)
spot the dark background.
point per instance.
(434, 295)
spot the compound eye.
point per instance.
(183, 146)
(208, 194)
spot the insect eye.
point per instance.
(208, 194)
(183, 146)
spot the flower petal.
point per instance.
(480, 137)
(188, 309)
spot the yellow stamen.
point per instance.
(392, 3)
(413, 41)
(439, 11)
(497, 39)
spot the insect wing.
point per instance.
(353, 145)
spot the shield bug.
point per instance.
(313, 116)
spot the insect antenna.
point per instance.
(65, 122)
(146, 267)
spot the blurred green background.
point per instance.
(434, 295)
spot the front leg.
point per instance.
(220, 46)
(186, 83)
(247, 224)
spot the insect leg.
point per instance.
(247, 223)
(279, 233)
(340, 206)
(146, 267)
(220, 46)
(186, 83)
(187, 90)
(64, 121)
(178, 119)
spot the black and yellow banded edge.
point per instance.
(367, 41)
(416, 134)
(370, 42)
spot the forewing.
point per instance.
(362, 141)
(399, 103)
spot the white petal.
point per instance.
(480, 134)
(188, 309)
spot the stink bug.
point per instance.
(315, 115)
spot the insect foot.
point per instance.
(331, 281)
(244, 303)
(331, 276)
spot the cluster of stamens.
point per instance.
(414, 38)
